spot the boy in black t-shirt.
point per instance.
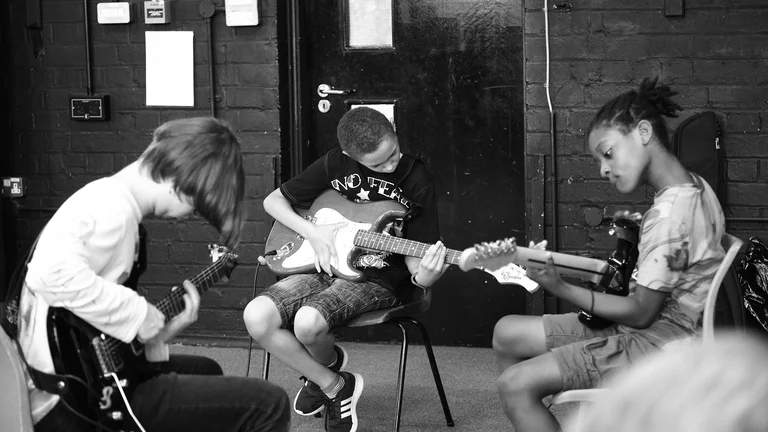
(368, 167)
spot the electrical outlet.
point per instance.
(92, 108)
(14, 187)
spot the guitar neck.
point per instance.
(387, 243)
(573, 265)
(173, 304)
(492, 256)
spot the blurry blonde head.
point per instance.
(720, 386)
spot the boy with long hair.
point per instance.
(87, 250)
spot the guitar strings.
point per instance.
(399, 245)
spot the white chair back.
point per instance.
(731, 245)
(15, 413)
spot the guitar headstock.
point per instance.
(496, 258)
(219, 253)
(488, 255)
(625, 228)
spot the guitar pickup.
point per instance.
(107, 363)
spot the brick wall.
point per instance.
(715, 56)
(58, 155)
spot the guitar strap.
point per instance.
(141, 261)
(9, 320)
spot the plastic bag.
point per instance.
(753, 279)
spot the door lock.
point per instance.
(323, 105)
(324, 90)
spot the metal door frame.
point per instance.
(294, 93)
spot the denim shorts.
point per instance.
(337, 300)
(586, 356)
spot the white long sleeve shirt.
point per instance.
(83, 255)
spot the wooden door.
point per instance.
(450, 73)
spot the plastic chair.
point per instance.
(15, 413)
(399, 315)
(731, 245)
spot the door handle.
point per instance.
(324, 90)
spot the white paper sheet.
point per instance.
(170, 68)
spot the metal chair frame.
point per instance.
(399, 315)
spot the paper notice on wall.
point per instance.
(170, 68)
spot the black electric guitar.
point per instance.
(292, 254)
(611, 276)
(109, 367)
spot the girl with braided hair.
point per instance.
(679, 252)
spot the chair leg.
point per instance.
(401, 376)
(433, 365)
(265, 371)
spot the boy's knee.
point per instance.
(270, 411)
(261, 317)
(506, 336)
(514, 382)
(209, 366)
(282, 413)
(309, 325)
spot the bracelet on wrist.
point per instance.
(413, 281)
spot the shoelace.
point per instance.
(333, 410)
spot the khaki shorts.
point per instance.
(585, 356)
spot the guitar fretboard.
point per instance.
(387, 243)
(173, 304)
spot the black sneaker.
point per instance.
(341, 358)
(341, 415)
(310, 400)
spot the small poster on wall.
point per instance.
(170, 68)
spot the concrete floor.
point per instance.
(468, 375)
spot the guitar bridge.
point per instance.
(108, 362)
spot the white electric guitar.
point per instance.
(612, 276)
(290, 253)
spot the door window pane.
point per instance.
(370, 23)
(388, 109)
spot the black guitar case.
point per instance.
(697, 143)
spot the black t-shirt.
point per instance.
(411, 185)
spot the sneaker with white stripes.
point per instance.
(341, 411)
(310, 399)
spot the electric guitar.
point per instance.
(107, 367)
(611, 276)
(291, 254)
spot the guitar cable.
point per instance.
(125, 400)
(260, 261)
(61, 398)
(86, 419)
